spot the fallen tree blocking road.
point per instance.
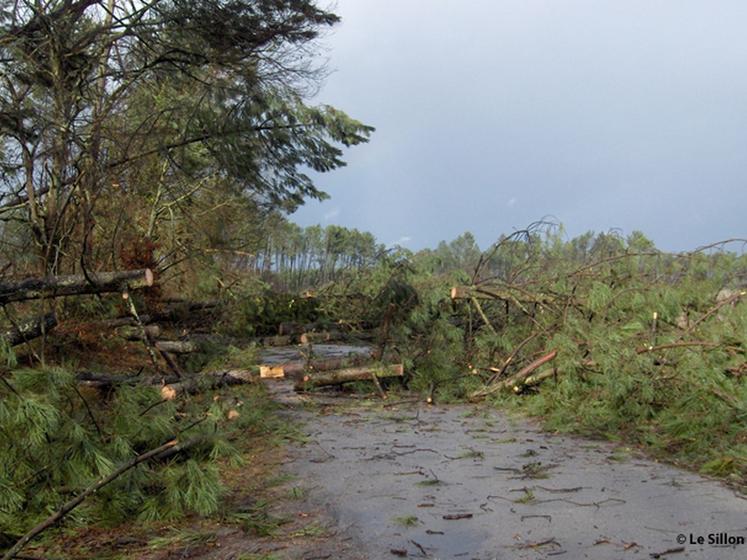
(209, 380)
(31, 329)
(74, 285)
(340, 376)
(298, 369)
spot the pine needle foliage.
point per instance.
(57, 438)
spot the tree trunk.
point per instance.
(297, 370)
(340, 376)
(285, 340)
(30, 329)
(55, 286)
(207, 381)
(321, 337)
(176, 346)
(136, 333)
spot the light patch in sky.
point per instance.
(511, 202)
(332, 214)
(402, 241)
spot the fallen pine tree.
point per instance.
(30, 329)
(297, 369)
(176, 346)
(347, 375)
(206, 381)
(129, 332)
(74, 285)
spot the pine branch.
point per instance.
(168, 449)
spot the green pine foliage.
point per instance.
(57, 438)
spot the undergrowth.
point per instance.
(57, 438)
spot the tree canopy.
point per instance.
(154, 111)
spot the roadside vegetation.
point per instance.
(602, 335)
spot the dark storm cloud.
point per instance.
(491, 114)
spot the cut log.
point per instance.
(340, 376)
(56, 286)
(207, 381)
(321, 337)
(297, 370)
(106, 381)
(136, 333)
(31, 329)
(285, 340)
(176, 346)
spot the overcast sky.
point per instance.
(491, 114)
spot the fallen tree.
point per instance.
(176, 346)
(129, 332)
(31, 329)
(73, 285)
(340, 376)
(209, 380)
(291, 328)
(279, 340)
(515, 382)
(321, 337)
(171, 312)
(298, 369)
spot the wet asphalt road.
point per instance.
(472, 483)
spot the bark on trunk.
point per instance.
(176, 346)
(338, 377)
(321, 337)
(136, 333)
(207, 381)
(30, 329)
(56, 286)
(297, 370)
